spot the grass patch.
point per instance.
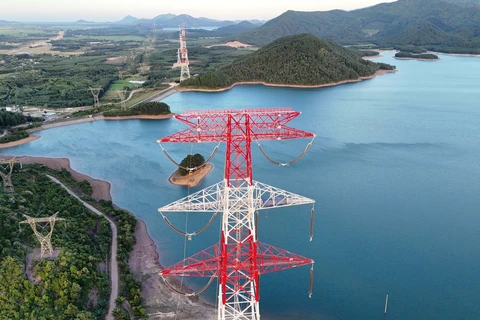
(140, 96)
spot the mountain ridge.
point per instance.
(458, 24)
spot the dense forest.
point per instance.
(437, 25)
(145, 108)
(191, 161)
(295, 60)
(70, 286)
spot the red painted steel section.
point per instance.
(206, 263)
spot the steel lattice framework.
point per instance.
(239, 259)
(45, 240)
(7, 177)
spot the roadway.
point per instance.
(113, 255)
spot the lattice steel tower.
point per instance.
(182, 56)
(239, 259)
(45, 240)
(7, 176)
(96, 93)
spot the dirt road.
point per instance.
(113, 265)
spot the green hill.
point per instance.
(438, 25)
(293, 60)
(243, 26)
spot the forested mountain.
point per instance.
(243, 26)
(292, 60)
(432, 23)
(129, 19)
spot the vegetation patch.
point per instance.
(65, 282)
(147, 108)
(191, 161)
(423, 56)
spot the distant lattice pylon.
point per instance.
(182, 56)
(45, 240)
(122, 96)
(7, 177)
(95, 92)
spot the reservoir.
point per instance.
(395, 171)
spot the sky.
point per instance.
(114, 10)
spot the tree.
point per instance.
(191, 161)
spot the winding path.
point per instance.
(114, 263)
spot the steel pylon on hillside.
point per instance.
(239, 259)
(182, 56)
(7, 175)
(45, 240)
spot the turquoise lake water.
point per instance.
(395, 171)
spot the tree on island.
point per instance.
(191, 161)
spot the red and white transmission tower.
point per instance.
(239, 259)
(182, 56)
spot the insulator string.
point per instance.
(194, 168)
(285, 164)
(311, 222)
(189, 233)
(195, 293)
(310, 291)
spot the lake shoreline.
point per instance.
(70, 122)
(18, 142)
(144, 258)
(376, 74)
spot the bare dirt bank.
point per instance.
(190, 180)
(159, 301)
(233, 44)
(376, 74)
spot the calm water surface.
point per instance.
(395, 173)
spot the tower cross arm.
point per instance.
(218, 134)
(206, 262)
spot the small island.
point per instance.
(422, 56)
(293, 61)
(191, 178)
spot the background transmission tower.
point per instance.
(122, 95)
(182, 56)
(239, 259)
(7, 175)
(45, 241)
(95, 92)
